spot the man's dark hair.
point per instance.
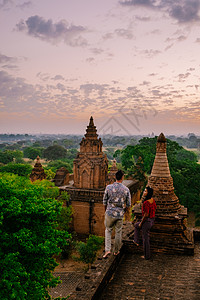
(119, 175)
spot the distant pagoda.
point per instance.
(38, 171)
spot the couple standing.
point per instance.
(117, 200)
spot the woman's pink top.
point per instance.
(149, 208)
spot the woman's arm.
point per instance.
(145, 216)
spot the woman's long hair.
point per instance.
(149, 193)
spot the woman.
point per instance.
(148, 217)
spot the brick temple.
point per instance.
(91, 164)
(90, 179)
(61, 177)
(169, 233)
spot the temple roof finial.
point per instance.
(91, 132)
(91, 121)
(161, 166)
(161, 138)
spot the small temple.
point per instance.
(61, 177)
(38, 171)
(169, 233)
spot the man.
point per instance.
(116, 200)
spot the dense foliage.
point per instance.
(19, 169)
(29, 238)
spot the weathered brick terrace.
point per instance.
(128, 276)
(164, 277)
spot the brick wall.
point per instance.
(88, 217)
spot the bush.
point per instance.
(88, 250)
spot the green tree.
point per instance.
(57, 164)
(65, 216)
(183, 154)
(18, 156)
(6, 156)
(55, 152)
(19, 169)
(117, 155)
(32, 152)
(29, 239)
(139, 172)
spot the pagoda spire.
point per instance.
(161, 181)
(91, 124)
(91, 132)
(161, 166)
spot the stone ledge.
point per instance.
(97, 277)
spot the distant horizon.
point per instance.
(99, 135)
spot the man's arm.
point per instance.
(127, 208)
(105, 199)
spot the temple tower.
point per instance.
(161, 181)
(169, 233)
(90, 165)
(38, 171)
(90, 179)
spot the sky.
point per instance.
(131, 64)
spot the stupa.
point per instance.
(38, 171)
(169, 233)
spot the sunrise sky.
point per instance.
(132, 64)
